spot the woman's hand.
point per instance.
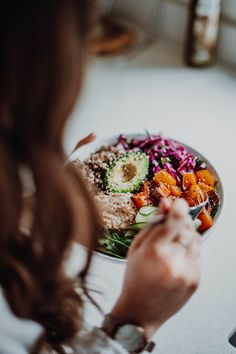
(163, 270)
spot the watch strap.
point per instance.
(111, 325)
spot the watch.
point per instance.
(128, 335)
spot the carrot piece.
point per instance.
(140, 200)
(205, 187)
(164, 177)
(195, 195)
(206, 220)
(189, 179)
(175, 191)
(206, 177)
(163, 190)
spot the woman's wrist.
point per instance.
(124, 316)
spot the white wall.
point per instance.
(146, 13)
(170, 18)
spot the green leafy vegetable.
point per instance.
(115, 244)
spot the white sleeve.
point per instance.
(96, 342)
(17, 336)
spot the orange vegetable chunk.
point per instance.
(189, 179)
(205, 177)
(175, 191)
(205, 187)
(206, 220)
(164, 177)
(140, 200)
(195, 195)
(163, 190)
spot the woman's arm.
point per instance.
(163, 271)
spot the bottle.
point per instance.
(203, 32)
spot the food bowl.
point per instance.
(84, 153)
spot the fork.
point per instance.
(194, 211)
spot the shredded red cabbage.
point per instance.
(164, 153)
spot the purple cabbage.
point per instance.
(164, 153)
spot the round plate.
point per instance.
(85, 151)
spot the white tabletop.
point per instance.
(197, 107)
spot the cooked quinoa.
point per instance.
(88, 175)
(99, 161)
(117, 209)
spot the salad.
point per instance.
(129, 179)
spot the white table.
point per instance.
(199, 108)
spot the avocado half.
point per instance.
(127, 173)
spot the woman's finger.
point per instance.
(185, 236)
(165, 205)
(151, 229)
(179, 209)
(171, 226)
(177, 226)
(178, 219)
(138, 240)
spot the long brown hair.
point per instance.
(43, 50)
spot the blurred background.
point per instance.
(159, 64)
(168, 21)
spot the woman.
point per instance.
(43, 51)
